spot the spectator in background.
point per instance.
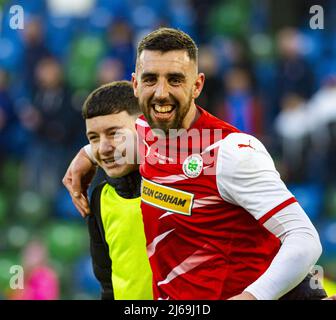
(293, 74)
(292, 128)
(7, 117)
(109, 70)
(121, 47)
(208, 64)
(322, 112)
(55, 125)
(201, 9)
(40, 280)
(34, 51)
(239, 55)
(240, 106)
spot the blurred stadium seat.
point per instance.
(83, 61)
(64, 207)
(310, 197)
(59, 30)
(328, 238)
(66, 241)
(31, 208)
(330, 202)
(3, 207)
(84, 279)
(17, 236)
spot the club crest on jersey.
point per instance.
(192, 166)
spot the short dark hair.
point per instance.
(168, 39)
(111, 98)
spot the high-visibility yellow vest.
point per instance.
(124, 234)
(329, 287)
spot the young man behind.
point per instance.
(117, 240)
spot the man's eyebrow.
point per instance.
(170, 74)
(176, 74)
(148, 74)
(112, 128)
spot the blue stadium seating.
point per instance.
(84, 279)
(310, 197)
(64, 208)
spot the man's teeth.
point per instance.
(163, 109)
(108, 161)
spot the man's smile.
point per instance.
(163, 112)
(112, 161)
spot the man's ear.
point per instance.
(198, 86)
(135, 84)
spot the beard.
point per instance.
(180, 110)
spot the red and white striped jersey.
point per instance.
(205, 196)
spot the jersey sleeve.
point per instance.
(246, 176)
(299, 251)
(88, 150)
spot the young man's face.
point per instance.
(113, 141)
(166, 84)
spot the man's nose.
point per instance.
(105, 146)
(161, 90)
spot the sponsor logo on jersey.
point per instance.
(192, 166)
(166, 198)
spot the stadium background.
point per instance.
(267, 72)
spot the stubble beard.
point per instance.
(175, 123)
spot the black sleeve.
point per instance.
(304, 291)
(101, 262)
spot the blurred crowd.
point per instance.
(267, 73)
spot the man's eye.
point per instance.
(175, 81)
(93, 139)
(115, 135)
(149, 80)
(118, 136)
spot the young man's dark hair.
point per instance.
(167, 39)
(111, 98)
